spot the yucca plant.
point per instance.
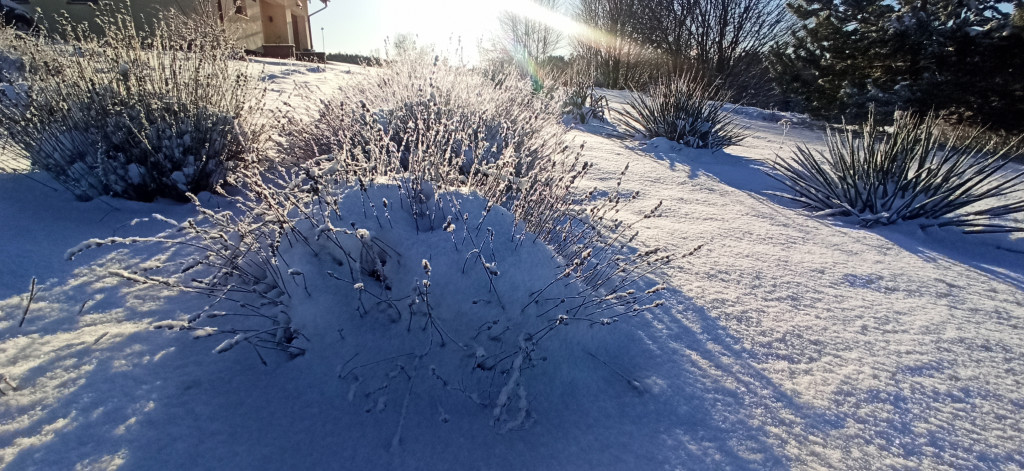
(580, 101)
(583, 105)
(689, 110)
(906, 174)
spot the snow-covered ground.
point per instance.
(788, 342)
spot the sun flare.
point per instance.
(470, 22)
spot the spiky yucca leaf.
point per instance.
(688, 110)
(905, 175)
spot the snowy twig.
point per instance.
(28, 302)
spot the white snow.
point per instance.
(788, 341)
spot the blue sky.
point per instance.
(356, 26)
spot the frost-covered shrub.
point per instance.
(12, 93)
(689, 110)
(136, 114)
(907, 175)
(435, 243)
(454, 128)
(439, 115)
(413, 289)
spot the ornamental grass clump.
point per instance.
(907, 174)
(133, 112)
(689, 110)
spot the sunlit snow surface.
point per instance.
(789, 342)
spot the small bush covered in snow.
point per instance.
(400, 280)
(907, 175)
(435, 249)
(689, 110)
(454, 128)
(132, 113)
(435, 114)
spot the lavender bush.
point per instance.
(135, 113)
(430, 243)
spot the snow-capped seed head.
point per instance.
(294, 271)
(363, 234)
(358, 286)
(562, 319)
(492, 268)
(426, 283)
(426, 267)
(385, 202)
(655, 289)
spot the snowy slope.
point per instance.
(789, 342)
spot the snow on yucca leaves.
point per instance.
(409, 287)
(689, 110)
(907, 174)
(135, 113)
(580, 102)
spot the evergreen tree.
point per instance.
(963, 58)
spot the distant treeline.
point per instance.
(356, 59)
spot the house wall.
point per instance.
(276, 23)
(253, 29)
(282, 19)
(300, 25)
(248, 28)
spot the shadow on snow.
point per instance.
(1000, 256)
(102, 389)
